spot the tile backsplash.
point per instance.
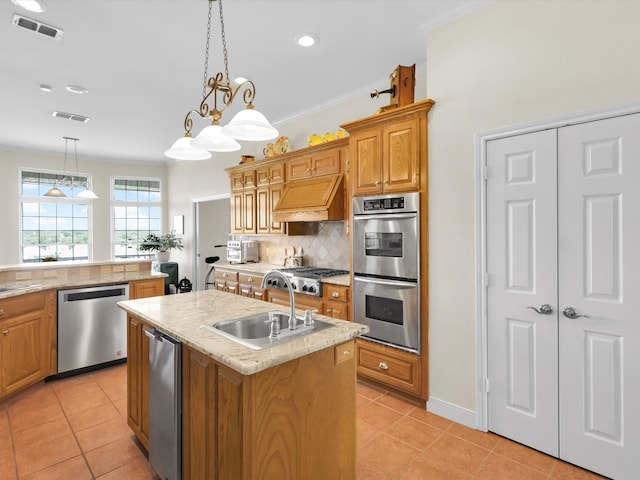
(324, 244)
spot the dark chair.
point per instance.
(210, 261)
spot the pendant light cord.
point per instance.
(206, 53)
(224, 45)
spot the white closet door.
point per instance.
(522, 266)
(599, 277)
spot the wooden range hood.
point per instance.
(311, 200)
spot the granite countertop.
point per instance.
(182, 317)
(260, 268)
(74, 281)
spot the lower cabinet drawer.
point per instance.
(390, 366)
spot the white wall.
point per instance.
(101, 172)
(512, 62)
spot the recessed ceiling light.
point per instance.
(37, 6)
(307, 40)
(76, 89)
(45, 88)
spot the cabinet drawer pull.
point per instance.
(5, 332)
(225, 275)
(250, 279)
(383, 366)
(1, 312)
(346, 352)
(336, 295)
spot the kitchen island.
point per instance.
(285, 412)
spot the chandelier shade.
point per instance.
(183, 150)
(87, 194)
(55, 192)
(214, 139)
(250, 125)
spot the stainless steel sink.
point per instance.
(11, 288)
(253, 331)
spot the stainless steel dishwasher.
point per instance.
(165, 406)
(92, 330)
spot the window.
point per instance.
(137, 212)
(53, 228)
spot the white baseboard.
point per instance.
(452, 412)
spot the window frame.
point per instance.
(119, 203)
(40, 199)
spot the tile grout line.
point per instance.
(73, 432)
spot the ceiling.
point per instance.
(143, 64)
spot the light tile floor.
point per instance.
(76, 429)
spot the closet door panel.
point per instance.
(522, 269)
(599, 280)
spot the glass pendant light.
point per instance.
(183, 150)
(86, 193)
(55, 191)
(250, 125)
(214, 139)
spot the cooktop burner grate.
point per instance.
(313, 272)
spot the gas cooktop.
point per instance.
(305, 280)
(312, 272)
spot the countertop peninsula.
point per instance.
(182, 317)
(34, 277)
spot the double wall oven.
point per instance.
(386, 268)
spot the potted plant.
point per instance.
(162, 245)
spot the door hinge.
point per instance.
(486, 385)
(485, 172)
(485, 279)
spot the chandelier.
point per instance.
(217, 95)
(71, 182)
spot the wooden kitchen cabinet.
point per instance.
(249, 286)
(389, 366)
(303, 302)
(138, 379)
(226, 280)
(237, 427)
(337, 302)
(311, 162)
(388, 152)
(151, 287)
(270, 179)
(243, 201)
(28, 340)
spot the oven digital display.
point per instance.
(373, 204)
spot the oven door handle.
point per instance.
(384, 281)
(386, 216)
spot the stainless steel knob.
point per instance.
(544, 309)
(571, 312)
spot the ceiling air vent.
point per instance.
(71, 116)
(38, 27)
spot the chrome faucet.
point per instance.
(292, 299)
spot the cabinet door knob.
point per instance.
(346, 352)
(1, 311)
(383, 366)
(5, 332)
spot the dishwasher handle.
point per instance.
(154, 334)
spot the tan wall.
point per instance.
(10, 164)
(511, 62)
